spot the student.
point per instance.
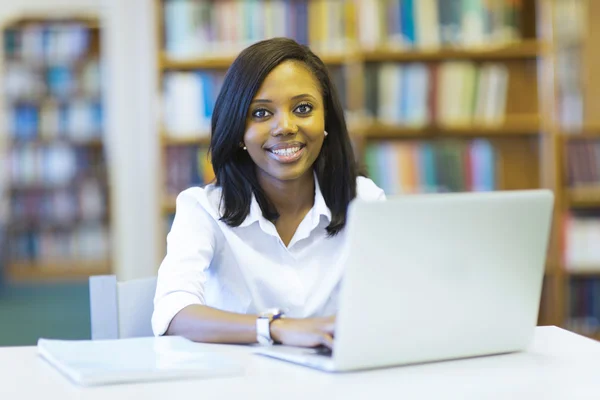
(257, 255)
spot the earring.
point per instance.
(243, 146)
(325, 133)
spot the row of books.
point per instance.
(86, 242)
(54, 164)
(186, 166)
(581, 238)
(583, 162)
(195, 28)
(455, 92)
(23, 81)
(189, 99)
(431, 24)
(48, 42)
(436, 166)
(584, 306)
(414, 94)
(76, 119)
(59, 208)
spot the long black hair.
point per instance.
(235, 171)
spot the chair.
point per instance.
(121, 310)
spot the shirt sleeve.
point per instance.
(182, 273)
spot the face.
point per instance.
(285, 123)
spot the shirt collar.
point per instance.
(319, 209)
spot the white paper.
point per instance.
(101, 362)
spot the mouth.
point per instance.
(286, 153)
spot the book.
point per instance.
(117, 361)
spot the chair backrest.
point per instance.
(121, 309)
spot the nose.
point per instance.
(285, 126)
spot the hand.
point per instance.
(308, 332)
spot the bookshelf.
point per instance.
(574, 123)
(470, 81)
(56, 185)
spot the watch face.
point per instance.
(263, 330)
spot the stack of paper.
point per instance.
(101, 362)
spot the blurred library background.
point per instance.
(105, 111)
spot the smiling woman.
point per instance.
(267, 236)
(285, 128)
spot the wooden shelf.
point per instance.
(563, 270)
(584, 274)
(217, 62)
(44, 225)
(225, 61)
(200, 139)
(521, 50)
(587, 131)
(89, 20)
(56, 270)
(516, 128)
(584, 196)
(45, 141)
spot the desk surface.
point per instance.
(558, 365)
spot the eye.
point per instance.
(304, 108)
(261, 113)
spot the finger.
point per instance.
(327, 340)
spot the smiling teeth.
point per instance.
(287, 152)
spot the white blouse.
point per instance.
(248, 269)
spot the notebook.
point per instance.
(102, 362)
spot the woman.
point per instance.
(267, 235)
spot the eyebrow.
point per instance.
(298, 96)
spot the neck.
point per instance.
(289, 197)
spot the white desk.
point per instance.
(558, 365)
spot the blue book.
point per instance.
(196, 166)
(483, 165)
(301, 21)
(29, 122)
(206, 81)
(407, 21)
(450, 20)
(406, 76)
(63, 120)
(427, 167)
(97, 118)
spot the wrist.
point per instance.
(263, 326)
(277, 328)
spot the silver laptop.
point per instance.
(437, 277)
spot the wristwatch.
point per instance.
(263, 325)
